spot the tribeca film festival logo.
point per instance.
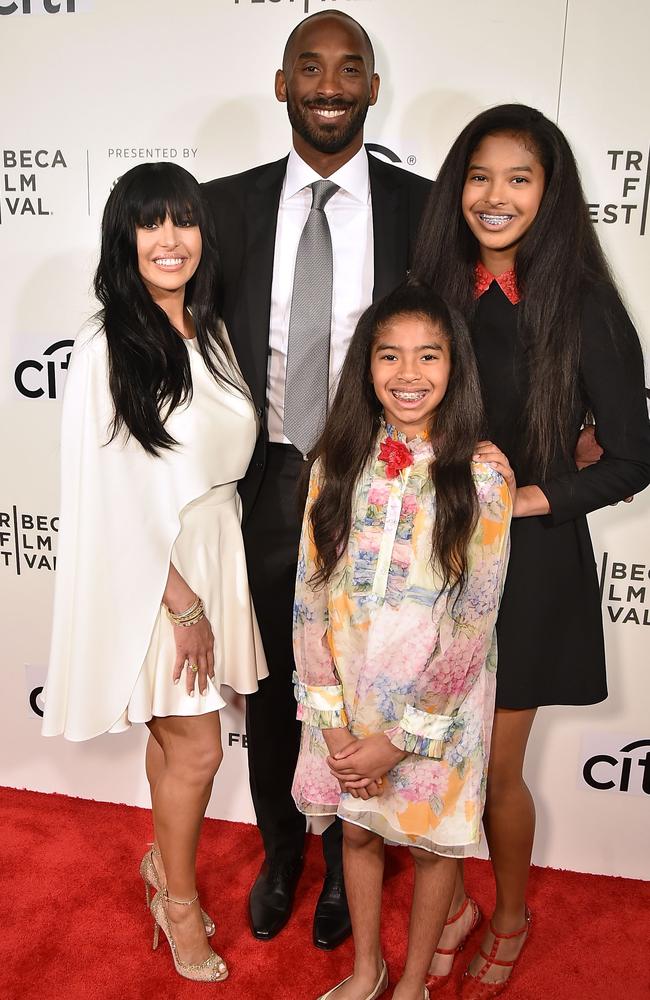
(624, 591)
(27, 540)
(37, 377)
(632, 174)
(615, 763)
(20, 185)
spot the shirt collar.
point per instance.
(507, 282)
(353, 177)
(420, 446)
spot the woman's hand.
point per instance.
(194, 648)
(488, 452)
(194, 643)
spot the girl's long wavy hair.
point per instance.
(354, 421)
(149, 365)
(557, 260)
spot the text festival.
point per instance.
(27, 540)
(624, 590)
(19, 181)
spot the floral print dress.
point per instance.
(376, 652)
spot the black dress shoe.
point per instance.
(332, 917)
(271, 899)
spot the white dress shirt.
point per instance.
(349, 216)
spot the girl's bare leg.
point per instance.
(363, 866)
(435, 878)
(453, 933)
(509, 821)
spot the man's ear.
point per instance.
(281, 86)
(374, 88)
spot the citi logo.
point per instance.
(36, 701)
(39, 7)
(626, 770)
(35, 378)
(384, 151)
(34, 685)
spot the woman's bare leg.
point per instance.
(191, 754)
(154, 763)
(435, 878)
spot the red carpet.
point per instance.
(74, 923)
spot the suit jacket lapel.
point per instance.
(261, 222)
(390, 227)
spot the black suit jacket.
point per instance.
(245, 211)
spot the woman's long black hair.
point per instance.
(557, 260)
(354, 421)
(149, 366)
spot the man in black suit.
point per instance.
(328, 82)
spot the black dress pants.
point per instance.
(271, 537)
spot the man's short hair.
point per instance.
(329, 13)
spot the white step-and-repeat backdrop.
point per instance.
(92, 87)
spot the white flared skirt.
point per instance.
(209, 555)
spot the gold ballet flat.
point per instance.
(381, 987)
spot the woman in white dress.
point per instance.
(152, 609)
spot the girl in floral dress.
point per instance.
(403, 554)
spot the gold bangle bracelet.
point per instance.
(193, 614)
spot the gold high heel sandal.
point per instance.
(381, 987)
(212, 970)
(151, 879)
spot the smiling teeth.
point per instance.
(329, 114)
(409, 396)
(494, 220)
(168, 261)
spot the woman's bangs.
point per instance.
(167, 195)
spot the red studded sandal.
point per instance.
(432, 981)
(475, 987)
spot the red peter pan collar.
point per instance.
(507, 282)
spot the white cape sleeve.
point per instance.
(120, 515)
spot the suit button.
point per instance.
(260, 411)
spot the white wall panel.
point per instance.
(99, 78)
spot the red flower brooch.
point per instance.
(396, 456)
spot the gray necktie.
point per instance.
(308, 351)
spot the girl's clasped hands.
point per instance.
(359, 765)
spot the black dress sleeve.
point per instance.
(612, 384)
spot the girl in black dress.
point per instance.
(507, 238)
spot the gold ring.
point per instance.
(193, 667)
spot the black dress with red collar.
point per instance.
(550, 633)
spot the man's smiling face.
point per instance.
(328, 83)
